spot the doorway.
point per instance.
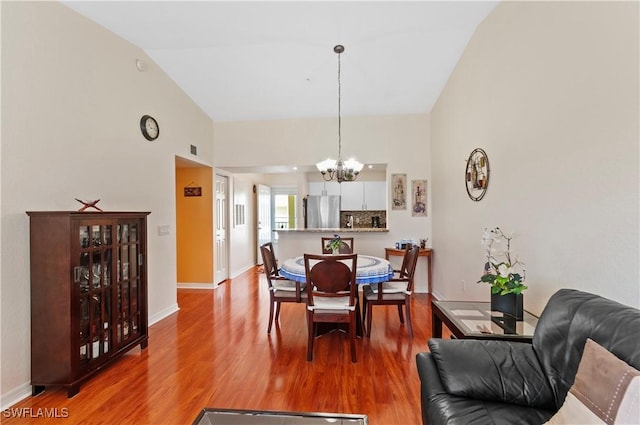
(263, 225)
(283, 211)
(221, 251)
(194, 224)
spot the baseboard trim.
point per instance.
(197, 285)
(243, 270)
(437, 296)
(163, 314)
(15, 395)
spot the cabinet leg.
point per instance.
(143, 344)
(36, 389)
(73, 390)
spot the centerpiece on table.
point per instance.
(504, 272)
(334, 244)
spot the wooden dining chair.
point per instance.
(396, 291)
(346, 245)
(281, 290)
(331, 294)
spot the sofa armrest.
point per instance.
(490, 370)
(432, 392)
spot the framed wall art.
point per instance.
(193, 191)
(418, 198)
(398, 191)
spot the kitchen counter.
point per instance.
(291, 243)
(334, 230)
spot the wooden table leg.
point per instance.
(429, 272)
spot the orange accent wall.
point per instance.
(194, 226)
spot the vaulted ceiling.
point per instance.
(244, 60)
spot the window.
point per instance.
(283, 201)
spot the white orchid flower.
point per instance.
(504, 270)
(487, 238)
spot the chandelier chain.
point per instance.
(339, 112)
(339, 170)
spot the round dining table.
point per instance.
(369, 269)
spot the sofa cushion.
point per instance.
(506, 372)
(606, 391)
(455, 410)
(569, 318)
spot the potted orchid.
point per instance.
(504, 272)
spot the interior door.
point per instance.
(264, 218)
(221, 250)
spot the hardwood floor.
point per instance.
(215, 352)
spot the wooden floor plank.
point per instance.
(215, 352)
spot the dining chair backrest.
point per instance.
(405, 257)
(269, 261)
(331, 276)
(409, 263)
(346, 245)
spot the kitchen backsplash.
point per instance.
(363, 219)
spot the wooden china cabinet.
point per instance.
(88, 293)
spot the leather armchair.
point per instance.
(502, 382)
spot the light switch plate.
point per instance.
(163, 230)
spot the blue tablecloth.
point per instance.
(369, 269)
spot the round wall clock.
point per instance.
(149, 127)
(477, 174)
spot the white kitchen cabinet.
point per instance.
(324, 188)
(359, 196)
(352, 196)
(375, 195)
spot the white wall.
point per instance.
(242, 238)
(550, 91)
(401, 142)
(72, 99)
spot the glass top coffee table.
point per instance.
(212, 416)
(475, 320)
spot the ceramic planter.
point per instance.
(510, 304)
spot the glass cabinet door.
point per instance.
(129, 266)
(94, 280)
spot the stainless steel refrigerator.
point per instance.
(322, 212)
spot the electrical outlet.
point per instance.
(463, 285)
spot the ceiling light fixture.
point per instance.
(342, 171)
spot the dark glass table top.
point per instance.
(474, 319)
(212, 416)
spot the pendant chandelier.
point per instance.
(342, 171)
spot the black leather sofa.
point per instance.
(500, 382)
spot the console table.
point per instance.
(424, 252)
